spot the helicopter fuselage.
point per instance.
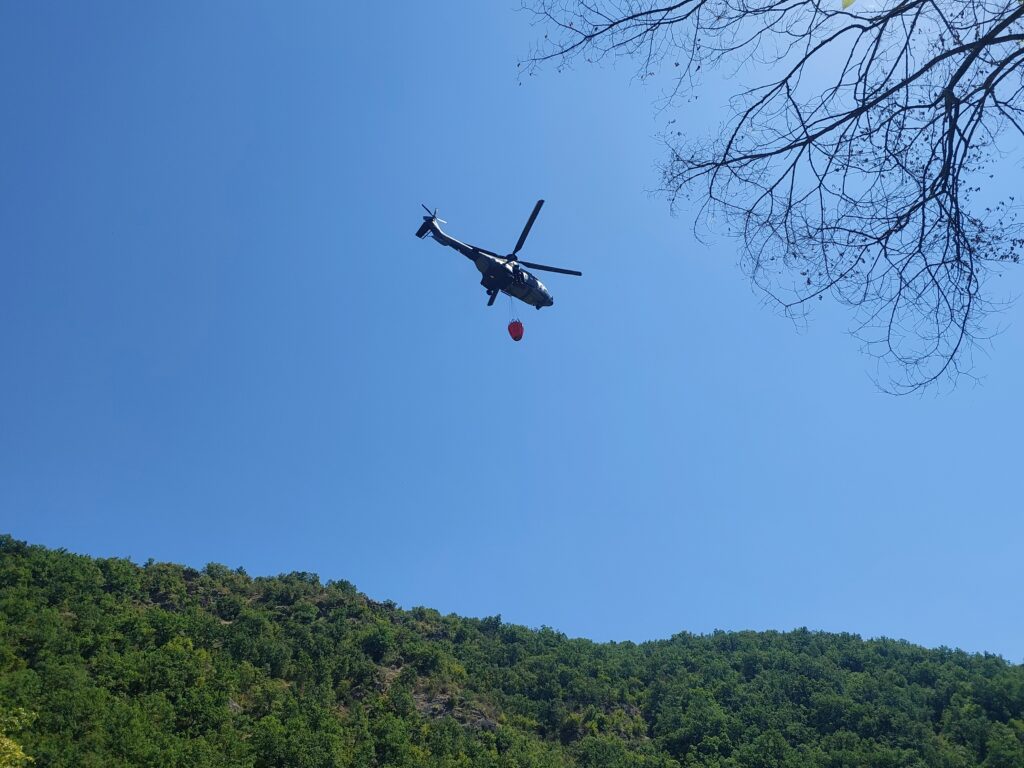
(499, 273)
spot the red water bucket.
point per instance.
(515, 330)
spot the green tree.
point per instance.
(11, 753)
(1004, 748)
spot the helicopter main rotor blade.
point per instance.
(526, 229)
(531, 265)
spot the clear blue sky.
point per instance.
(220, 341)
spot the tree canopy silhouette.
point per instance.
(856, 166)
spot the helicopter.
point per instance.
(501, 274)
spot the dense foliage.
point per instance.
(106, 663)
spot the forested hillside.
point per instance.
(106, 663)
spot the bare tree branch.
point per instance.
(855, 166)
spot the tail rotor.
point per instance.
(428, 222)
(431, 216)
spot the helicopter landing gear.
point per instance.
(492, 295)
